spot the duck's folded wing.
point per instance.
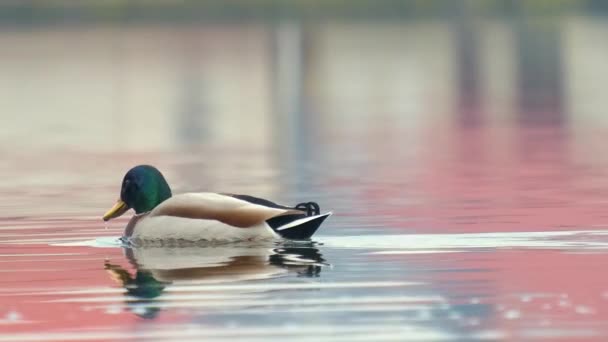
(224, 208)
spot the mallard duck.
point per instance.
(206, 216)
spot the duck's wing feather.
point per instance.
(228, 209)
(257, 200)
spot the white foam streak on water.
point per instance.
(301, 332)
(220, 302)
(587, 239)
(342, 309)
(113, 241)
(200, 297)
(429, 243)
(235, 287)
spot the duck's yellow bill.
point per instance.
(118, 209)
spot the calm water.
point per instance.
(469, 199)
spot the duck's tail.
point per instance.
(296, 226)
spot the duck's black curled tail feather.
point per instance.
(311, 208)
(296, 226)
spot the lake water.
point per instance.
(465, 165)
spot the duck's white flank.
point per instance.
(180, 228)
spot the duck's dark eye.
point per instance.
(128, 188)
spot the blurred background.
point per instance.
(250, 73)
(398, 107)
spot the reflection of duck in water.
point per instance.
(142, 286)
(156, 268)
(206, 216)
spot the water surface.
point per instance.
(469, 199)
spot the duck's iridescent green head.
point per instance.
(143, 188)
